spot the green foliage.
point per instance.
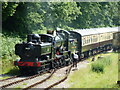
(13, 71)
(28, 17)
(34, 17)
(8, 9)
(60, 14)
(7, 52)
(100, 65)
(97, 14)
(8, 44)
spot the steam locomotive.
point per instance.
(44, 52)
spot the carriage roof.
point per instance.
(91, 31)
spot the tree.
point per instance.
(97, 14)
(8, 9)
(60, 14)
(26, 17)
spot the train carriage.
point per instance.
(94, 40)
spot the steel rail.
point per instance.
(48, 77)
(18, 81)
(63, 79)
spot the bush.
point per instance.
(8, 51)
(8, 44)
(100, 65)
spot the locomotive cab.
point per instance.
(34, 38)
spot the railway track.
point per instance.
(40, 81)
(63, 79)
(47, 79)
(31, 77)
(18, 81)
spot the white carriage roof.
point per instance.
(85, 32)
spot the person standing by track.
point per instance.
(75, 60)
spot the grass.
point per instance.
(17, 88)
(24, 83)
(86, 78)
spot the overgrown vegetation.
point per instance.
(8, 44)
(99, 65)
(8, 54)
(85, 78)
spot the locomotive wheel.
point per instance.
(63, 61)
(91, 53)
(27, 71)
(58, 64)
(87, 54)
(71, 60)
(37, 71)
(22, 71)
(52, 65)
(33, 71)
(68, 62)
(55, 64)
(82, 56)
(99, 50)
(95, 52)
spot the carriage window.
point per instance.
(84, 41)
(89, 39)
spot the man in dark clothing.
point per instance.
(75, 59)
